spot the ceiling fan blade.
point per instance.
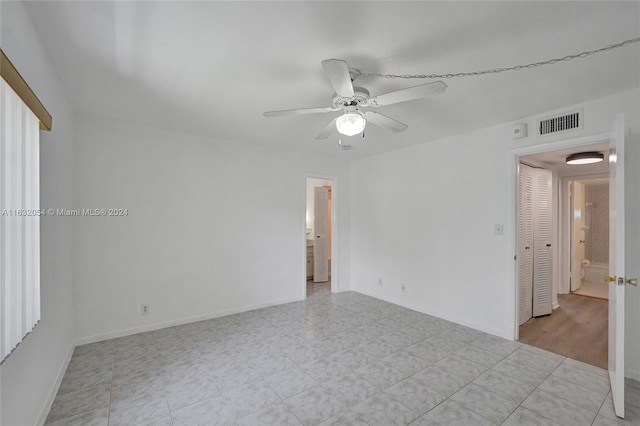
(408, 94)
(384, 121)
(326, 132)
(300, 111)
(338, 73)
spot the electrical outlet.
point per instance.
(404, 288)
(144, 309)
(380, 282)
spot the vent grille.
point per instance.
(560, 123)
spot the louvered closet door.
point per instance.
(542, 243)
(525, 243)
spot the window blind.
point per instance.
(19, 220)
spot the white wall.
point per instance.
(213, 227)
(29, 376)
(424, 217)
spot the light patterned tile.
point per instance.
(348, 419)
(521, 416)
(354, 358)
(325, 369)
(78, 402)
(78, 380)
(415, 395)
(380, 375)
(479, 356)
(124, 392)
(399, 340)
(89, 360)
(450, 413)
(558, 410)
(446, 343)
(544, 353)
(537, 360)
(427, 351)
(314, 406)
(443, 381)
(406, 362)
(504, 385)
(104, 347)
(496, 345)
(604, 421)
(350, 389)
(519, 372)
(377, 348)
(631, 411)
(142, 407)
(212, 411)
(189, 390)
(460, 366)
(382, 410)
(92, 418)
(290, 382)
(583, 397)
(269, 365)
(162, 420)
(251, 398)
(277, 414)
(489, 405)
(312, 348)
(579, 376)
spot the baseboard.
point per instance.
(441, 315)
(54, 389)
(172, 323)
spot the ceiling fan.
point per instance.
(351, 99)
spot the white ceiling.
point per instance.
(556, 160)
(213, 67)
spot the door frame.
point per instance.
(514, 160)
(335, 243)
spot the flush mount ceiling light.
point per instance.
(585, 158)
(351, 123)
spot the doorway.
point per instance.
(319, 235)
(576, 326)
(589, 241)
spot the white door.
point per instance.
(543, 227)
(534, 243)
(616, 264)
(525, 243)
(320, 237)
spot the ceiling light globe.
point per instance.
(351, 123)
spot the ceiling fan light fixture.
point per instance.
(585, 158)
(351, 123)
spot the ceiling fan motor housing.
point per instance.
(360, 98)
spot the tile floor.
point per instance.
(333, 359)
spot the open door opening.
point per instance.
(612, 144)
(588, 212)
(319, 230)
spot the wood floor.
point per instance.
(577, 329)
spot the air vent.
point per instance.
(561, 123)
